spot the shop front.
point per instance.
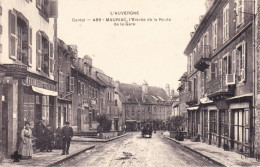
(25, 97)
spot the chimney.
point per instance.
(172, 93)
(145, 88)
(208, 4)
(117, 84)
(167, 89)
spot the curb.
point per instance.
(210, 159)
(102, 141)
(71, 156)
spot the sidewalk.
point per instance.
(226, 158)
(77, 146)
(84, 139)
(50, 158)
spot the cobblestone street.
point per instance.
(137, 151)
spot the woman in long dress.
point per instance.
(26, 148)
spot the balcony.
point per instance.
(218, 88)
(189, 99)
(202, 58)
(180, 87)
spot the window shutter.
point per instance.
(213, 70)
(38, 4)
(12, 35)
(30, 46)
(38, 50)
(51, 59)
(224, 24)
(71, 84)
(243, 69)
(234, 62)
(220, 67)
(227, 22)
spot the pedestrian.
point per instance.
(26, 148)
(58, 137)
(40, 135)
(67, 134)
(49, 139)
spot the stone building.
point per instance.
(219, 82)
(66, 55)
(28, 90)
(143, 103)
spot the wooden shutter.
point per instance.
(38, 51)
(220, 67)
(233, 62)
(243, 69)
(227, 22)
(71, 84)
(212, 71)
(12, 35)
(30, 46)
(39, 3)
(224, 24)
(51, 59)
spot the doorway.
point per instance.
(5, 127)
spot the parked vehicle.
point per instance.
(147, 130)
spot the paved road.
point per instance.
(134, 151)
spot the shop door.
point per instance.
(59, 115)
(64, 115)
(116, 124)
(5, 127)
(79, 119)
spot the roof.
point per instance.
(184, 76)
(133, 94)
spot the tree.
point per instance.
(104, 123)
(176, 123)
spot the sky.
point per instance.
(149, 50)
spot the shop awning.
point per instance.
(44, 91)
(130, 120)
(205, 100)
(237, 97)
(193, 108)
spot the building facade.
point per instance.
(66, 55)
(142, 104)
(28, 89)
(220, 76)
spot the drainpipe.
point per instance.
(254, 33)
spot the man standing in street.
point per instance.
(67, 134)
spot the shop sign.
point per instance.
(38, 83)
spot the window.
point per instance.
(42, 6)
(213, 117)
(68, 83)
(239, 12)
(71, 84)
(241, 60)
(44, 57)
(224, 122)
(213, 70)
(82, 88)
(239, 126)
(215, 34)
(20, 34)
(226, 23)
(61, 81)
(79, 88)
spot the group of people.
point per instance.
(46, 139)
